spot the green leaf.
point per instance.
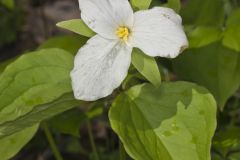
(174, 4)
(213, 66)
(11, 145)
(77, 26)
(232, 32)
(140, 4)
(203, 12)
(147, 66)
(33, 79)
(70, 43)
(204, 35)
(175, 121)
(38, 114)
(10, 4)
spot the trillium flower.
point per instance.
(102, 64)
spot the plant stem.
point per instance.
(50, 139)
(122, 153)
(94, 149)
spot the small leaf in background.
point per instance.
(232, 33)
(70, 43)
(10, 4)
(77, 26)
(70, 122)
(175, 121)
(11, 145)
(213, 66)
(140, 4)
(203, 12)
(226, 141)
(204, 35)
(174, 4)
(147, 66)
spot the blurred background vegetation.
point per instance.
(26, 25)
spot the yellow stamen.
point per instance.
(123, 33)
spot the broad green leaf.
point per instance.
(70, 43)
(232, 33)
(11, 145)
(77, 26)
(8, 3)
(39, 113)
(213, 66)
(174, 4)
(140, 4)
(204, 35)
(173, 122)
(147, 66)
(33, 79)
(203, 12)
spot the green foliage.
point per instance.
(70, 43)
(12, 144)
(77, 26)
(70, 122)
(140, 4)
(174, 4)
(147, 66)
(38, 114)
(232, 32)
(34, 79)
(203, 12)
(213, 66)
(172, 122)
(204, 35)
(161, 120)
(10, 4)
(10, 23)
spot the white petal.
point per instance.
(100, 67)
(105, 16)
(158, 32)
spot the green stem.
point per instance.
(94, 149)
(50, 139)
(122, 153)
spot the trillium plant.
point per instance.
(128, 59)
(102, 64)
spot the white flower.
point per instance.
(102, 64)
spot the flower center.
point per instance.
(123, 33)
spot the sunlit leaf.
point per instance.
(33, 79)
(76, 26)
(174, 4)
(232, 32)
(204, 35)
(141, 4)
(175, 121)
(147, 66)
